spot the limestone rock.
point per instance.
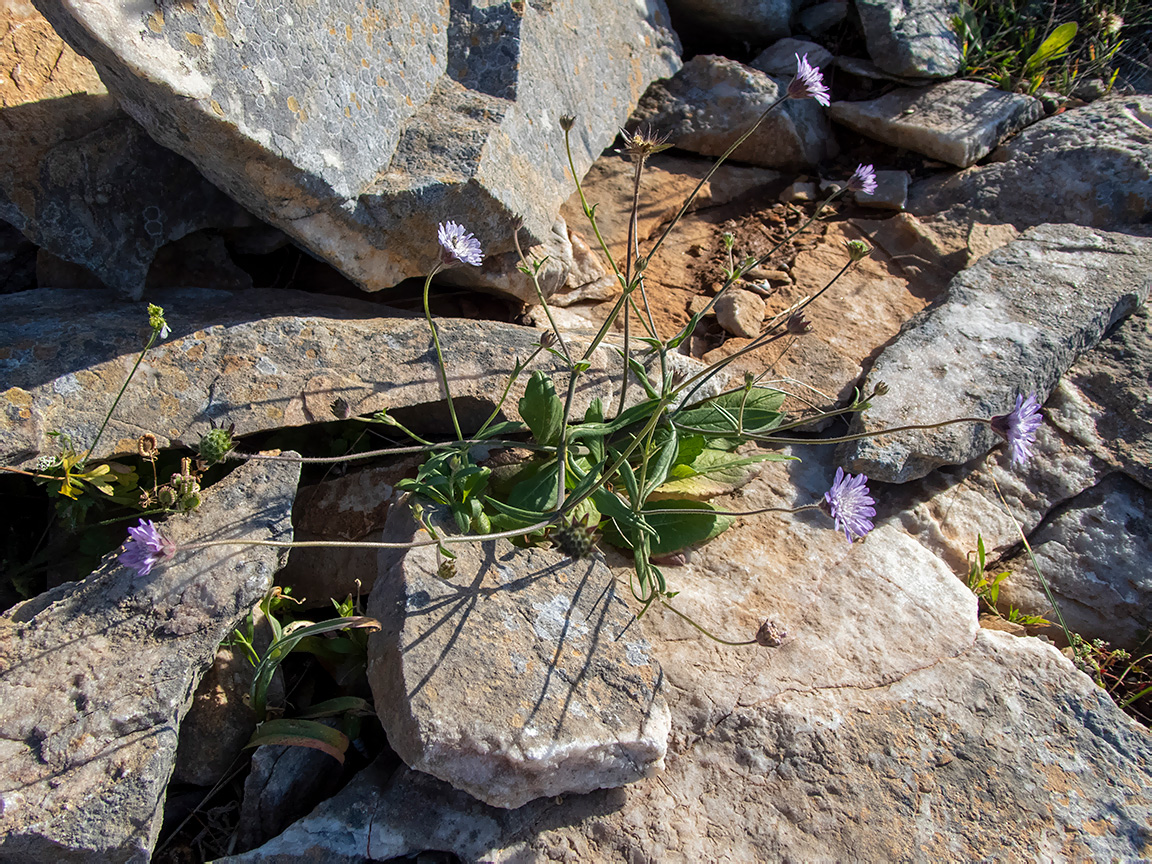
(284, 783)
(912, 37)
(891, 191)
(711, 101)
(1035, 305)
(80, 177)
(1090, 165)
(748, 20)
(954, 121)
(1093, 552)
(96, 676)
(352, 507)
(864, 736)
(516, 678)
(261, 359)
(1108, 410)
(780, 57)
(740, 312)
(356, 130)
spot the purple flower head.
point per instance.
(457, 245)
(1019, 427)
(145, 547)
(863, 179)
(850, 505)
(808, 83)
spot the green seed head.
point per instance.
(215, 444)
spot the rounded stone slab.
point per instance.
(1090, 165)
(80, 177)
(516, 678)
(1009, 325)
(96, 676)
(357, 127)
(261, 359)
(954, 121)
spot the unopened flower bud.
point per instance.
(547, 339)
(798, 325)
(566, 122)
(341, 409)
(770, 635)
(858, 250)
(881, 389)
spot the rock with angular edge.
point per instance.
(96, 676)
(1090, 165)
(1034, 305)
(780, 57)
(521, 675)
(356, 129)
(1093, 552)
(712, 101)
(80, 177)
(954, 121)
(261, 359)
(740, 312)
(863, 737)
(912, 37)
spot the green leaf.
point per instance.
(505, 427)
(595, 415)
(1056, 45)
(536, 491)
(666, 441)
(542, 410)
(635, 414)
(674, 531)
(301, 733)
(712, 473)
(761, 407)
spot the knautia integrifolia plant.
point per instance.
(637, 474)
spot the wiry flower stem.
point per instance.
(440, 354)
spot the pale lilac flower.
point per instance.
(1019, 426)
(863, 179)
(850, 504)
(145, 547)
(456, 244)
(808, 83)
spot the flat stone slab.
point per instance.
(865, 736)
(712, 101)
(80, 177)
(955, 121)
(1034, 305)
(356, 129)
(96, 676)
(516, 678)
(1090, 165)
(914, 38)
(261, 359)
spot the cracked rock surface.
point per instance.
(885, 727)
(262, 359)
(96, 676)
(356, 128)
(1011, 324)
(520, 676)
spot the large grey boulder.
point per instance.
(80, 177)
(914, 38)
(262, 359)
(96, 676)
(712, 101)
(863, 737)
(519, 676)
(357, 129)
(954, 121)
(1034, 306)
(1090, 165)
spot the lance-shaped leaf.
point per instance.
(542, 409)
